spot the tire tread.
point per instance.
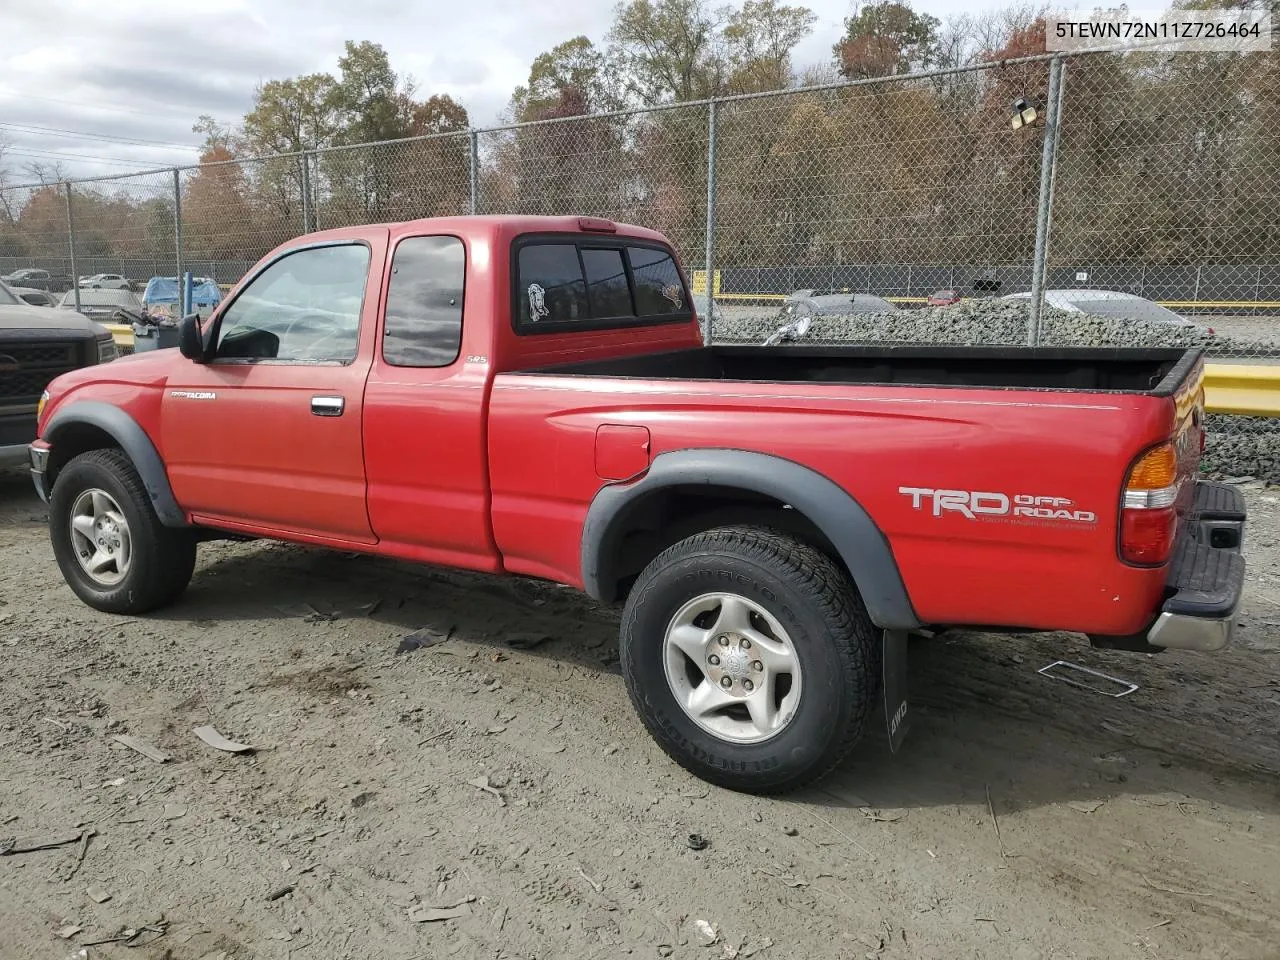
(826, 589)
(165, 556)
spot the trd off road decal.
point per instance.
(983, 505)
(538, 302)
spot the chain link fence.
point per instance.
(1145, 174)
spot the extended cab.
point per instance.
(525, 395)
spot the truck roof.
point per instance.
(496, 226)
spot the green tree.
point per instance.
(575, 65)
(669, 49)
(432, 176)
(372, 105)
(288, 116)
(368, 96)
(886, 38)
(759, 39)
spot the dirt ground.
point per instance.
(1024, 818)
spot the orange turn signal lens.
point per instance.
(1157, 469)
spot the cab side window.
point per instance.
(304, 307)
(423, 326)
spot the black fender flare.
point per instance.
(133, 440)
(861, 544)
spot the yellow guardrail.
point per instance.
(1251, 391)
(122, 334)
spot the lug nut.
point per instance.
(726, 682)
(722, 640)
(713, 660)
(744, 643)
(757, 666)
(747, 685)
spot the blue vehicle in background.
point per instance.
(163, 307)
(163, 297)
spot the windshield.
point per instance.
(8, 297)
(101, 298)
(1127, 309)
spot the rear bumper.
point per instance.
(1206, 575)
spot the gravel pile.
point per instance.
(1237, 446)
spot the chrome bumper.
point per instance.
(13, 454)
(1206, 576)
(39, 457)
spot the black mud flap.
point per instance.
(894, 658)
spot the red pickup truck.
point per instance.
(529, 395)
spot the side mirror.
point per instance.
(190, 341)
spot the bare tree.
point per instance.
(46, 173)
(6, 202)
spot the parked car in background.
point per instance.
(101, 304)
(37, 345)
(943, 298)
(37, 279)
(107, 281)
(833, 303)
(1111, 303)
(36, 298)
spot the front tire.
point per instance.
(750, 658)
(113, 551)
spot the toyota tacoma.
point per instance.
(531, 396)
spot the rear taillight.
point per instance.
(1149, 514)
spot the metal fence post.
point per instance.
(306, 192)
(71, 241)
(475, 171)
(1048, 163)
(710, 259)
(177, 224)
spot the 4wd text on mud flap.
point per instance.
(896, 720)
(976, 505)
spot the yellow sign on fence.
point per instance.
(699, 280)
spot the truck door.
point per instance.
(268, 434)
(424, 415)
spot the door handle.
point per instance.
(327, 406)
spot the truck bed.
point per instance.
(1155, 371)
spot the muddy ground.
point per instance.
(1024, 819)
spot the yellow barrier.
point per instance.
(1245, 390)
(122, 334)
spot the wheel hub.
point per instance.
(100, 537)
(732, 667)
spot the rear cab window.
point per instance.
(570, 282)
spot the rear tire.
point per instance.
(750, 658)
(113, 551)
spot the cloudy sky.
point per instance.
(115, 87)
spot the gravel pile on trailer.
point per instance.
(1237, 446)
